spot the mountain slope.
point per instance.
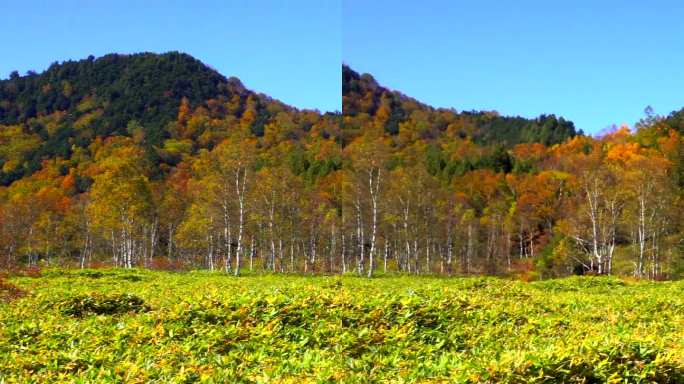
(362, 94)
(146, 86)
(48, 115)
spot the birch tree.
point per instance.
(368, 154)
(121, 201)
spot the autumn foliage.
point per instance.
(233, 179)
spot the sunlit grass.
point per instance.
(211, 327)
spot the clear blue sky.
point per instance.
(595, 62)
(290, 50)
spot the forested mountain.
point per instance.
(120, 158)
(146, 87)
(363, 95)
(436, 189)
(159, 161)
(71, 103)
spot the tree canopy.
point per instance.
(157, 160)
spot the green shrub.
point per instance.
(580, 283)
(84, 305)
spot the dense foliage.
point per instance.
(210, 327)
(363, 95)
(220, 177)
(73, 102)
(144, 87)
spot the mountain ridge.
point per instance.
(51, 114)
(363, 94)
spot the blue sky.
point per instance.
(596, 63)
(290, 50)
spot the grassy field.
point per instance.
(138, 326)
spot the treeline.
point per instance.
(367, 191)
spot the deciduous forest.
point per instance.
(159, 161)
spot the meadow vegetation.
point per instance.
(136, 325)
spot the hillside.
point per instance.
(146, 87)
(126, 159)
(212, 175)
(48, 115)
(363, 95)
